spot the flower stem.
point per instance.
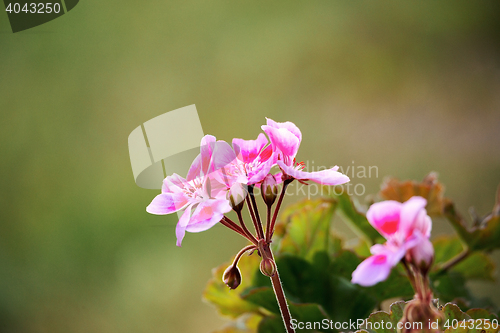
(233, 226)
(453, 261)
(280, 297)
(268, 223)
(260, 231)
(242, 251)
(276, 210)
(252, 215)
(245, 229)
(411, 276)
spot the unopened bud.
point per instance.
(232, 277)
(269, 189)
(268, 267)
(236, 196)
(422, 255)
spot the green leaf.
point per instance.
(317, 283)
(303, 312)
(449, 286)
(452, 311)
(375, 320)
(305, 228)
(308, 313)
(477, 266)
(481, 314)
(482, 235)
(445, 248)
(228, 302)
(396, 285)
(473, 321)
(271, 324)
(355, 219)
(246, 323)
(263, 297)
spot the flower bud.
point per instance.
(269, 189)
(236, 196)
(268, 267)
(422, 255)
(232, 277)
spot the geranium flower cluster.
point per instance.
(407, 228)
(222, 177)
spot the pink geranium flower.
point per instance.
(407, 228)
(251, 161)
(285, 141)
(200, 195)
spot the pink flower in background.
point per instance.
(201, 197)
(285, 140)
(407, 228)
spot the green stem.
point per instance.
(455, 260)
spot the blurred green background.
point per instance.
(409, 87)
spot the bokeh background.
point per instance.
(409, 87)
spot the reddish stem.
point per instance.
(276, 210)
(280, 297)
(260, 231)
(245, 229)
(233, 226)
(252, 215)
(242, 251)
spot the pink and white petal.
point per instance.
(372, 270)
(384, 216)
(271, 123)
(422, 254)
(205, 224)
(267, 154)
(279, 178)
(423, 223)
(288, 125)
(325, 177)
(180, 229)
(207, 214)
(256, 176)
(378, 249)
(173, 184)
(285, 141)
(248, 150)
(223, 155)
(195, 168)
(394, 253)
(167, 203)
(328, 177)
(410, 210)
(218, 189)
(206, 151)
